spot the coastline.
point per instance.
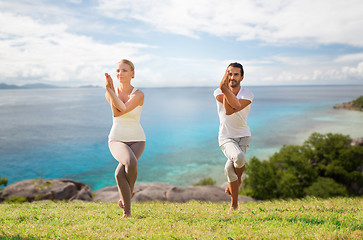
(61, 141)
(68, 189)
(325, 119)
(348, 106)
(335, 121)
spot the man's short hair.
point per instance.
(237, 65)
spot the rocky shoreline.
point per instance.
(347, 106)
(70, 190)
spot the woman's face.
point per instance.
(124, 72)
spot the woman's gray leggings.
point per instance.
(127, 154)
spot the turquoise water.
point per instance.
(62, 133)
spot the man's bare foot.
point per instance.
(120, 204)
(227, 191)
(233, 208)
(126, 215)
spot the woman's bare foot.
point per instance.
(120, 204)
(126, 215)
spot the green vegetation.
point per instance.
(324, 166)
(309, 218)
(16, 199)
(358, 103)
(205, 182)
(40, 184)
(3, 181)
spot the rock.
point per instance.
(64, 189)
(347, 105)
(199, 193)
(151, 192)
(144, 192)
(357, 142)
(84, 195)
(224, 185)
(245, 199)
(107, 194)
(48, 189)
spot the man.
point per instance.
(233, 103)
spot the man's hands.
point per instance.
(225, 80)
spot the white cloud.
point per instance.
(75, 1)
(311, 71)
(169, 72)
(78, 17)
(308, 70)
(36, 44)
(273, 21)
(354, 72)
(349, 58)
(48, 53)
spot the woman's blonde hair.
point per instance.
(128, 62)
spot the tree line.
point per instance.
(323, 166)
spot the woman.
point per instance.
(126, 139)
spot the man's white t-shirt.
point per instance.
(234, 125)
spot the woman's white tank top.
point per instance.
(127, 127)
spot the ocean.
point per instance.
(62, 132)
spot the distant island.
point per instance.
(89, 86)
(356, 104)
(38, 86)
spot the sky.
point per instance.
(176, 43)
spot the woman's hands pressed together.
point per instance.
(109, 83)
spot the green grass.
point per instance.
(310, 218)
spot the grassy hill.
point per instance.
(309, 218)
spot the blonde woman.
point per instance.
(127, 138)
